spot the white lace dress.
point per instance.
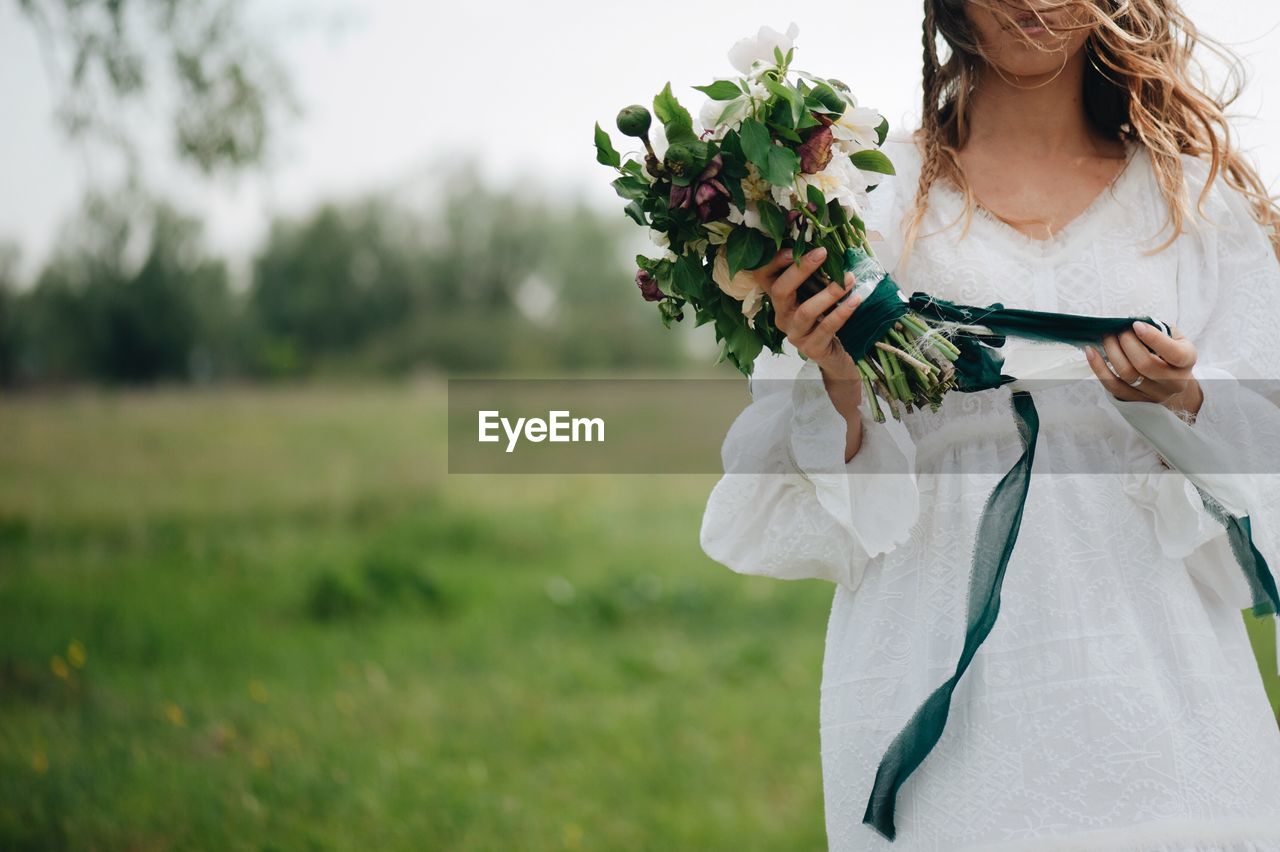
(1116, 704)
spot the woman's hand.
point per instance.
(1143, 375)
(811, 327)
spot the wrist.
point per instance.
(1187, 404)
(840, 368)
(843, 385)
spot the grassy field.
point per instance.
(254, 619)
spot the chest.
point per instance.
(1096, 266)
(1040, 198)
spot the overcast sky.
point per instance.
(392, 88)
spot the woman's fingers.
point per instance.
(1119, 360)
(1114, 386)
(822, 340)
(807, 316)
(796, 274)
(1143, 360)
(769, 272)
(1176, 351)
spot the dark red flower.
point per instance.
(680, 197)
(815, 153)
(649, 286)
(706, 193)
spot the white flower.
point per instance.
(718, 232)
(709, 115)
(840, 181)
(871, 178)
(747, 52)
(856, 130)
(784, 196)
(749, 217)
(719, 117)
(742, 286)
(658, 139)
(659, 238)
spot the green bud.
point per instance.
(670, 311)
(634, 121)
(686, 159)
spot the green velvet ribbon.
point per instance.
(883, 307)
(979, 368)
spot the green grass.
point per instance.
(299, 632)
(254, 619)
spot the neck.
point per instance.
(1043, 115)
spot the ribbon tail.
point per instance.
(1262, 585)
(997, 533)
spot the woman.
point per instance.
(1066, 161)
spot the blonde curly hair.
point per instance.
(1143, 83)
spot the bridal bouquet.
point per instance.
(778, 159)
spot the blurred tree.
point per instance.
(517, 282)
(485, 281)
(10, 346)
(220, 87)
(128, 297)
(328, 284)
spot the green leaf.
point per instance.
(789, 95)
(756, 143)
(664, 271)
(636, 213)
(806, 121)
(782, 166)
(735, 111)
(689, 277)
(834, 264)
(745, 249)
(827, 99)
(631, 187)
(777, 164)
(606, 154)
(873, 161)
(675, 119)
(783, 132)
(882, 131)
(774, 221)
(736, 195)
(817, 199)
(671, 309)
(720, 90)
(633, 167)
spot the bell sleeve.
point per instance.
(788, 506)
(1229, 306)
